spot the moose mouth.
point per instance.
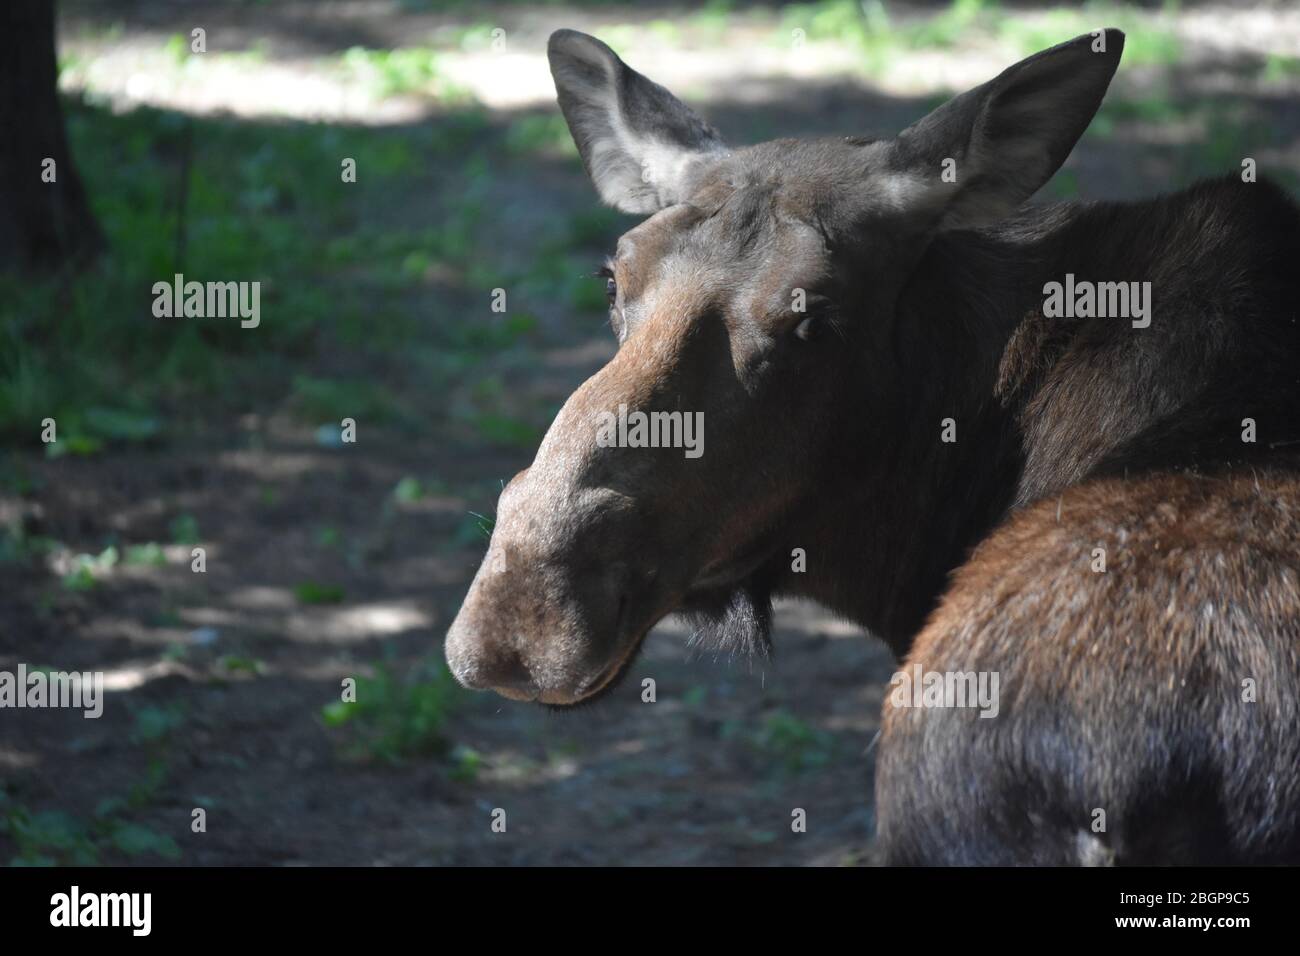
(727, 606)
(608, 679)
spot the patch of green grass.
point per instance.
(491, 334)
(787, 742)
(869, 27)
(17, 546)
(1230, 135)
(313, 592)
(1147, 40)
(151, 723)
(588, 297)
(472, 530)
(557, 274)
(119, 424)
(264, 203)
(408, 490)
(541, 135)
(947, 28)
(92, 343)
(670, 34)
(470, 37)
(149, 554)
(1278, 67)
(1065, 184)
(177, 48)
(403, 71)
(504, 429)
(81, 578)
(866, 26)
(1156, 107)
(328, 536)
(57, 838)
(466, 763)
(332, 400)
(457, 129)
(597, 227)
(712, 20)
(86, 569)
(1221, 133)
(184, 529)
(696, 695)
(395, 718)
(237, 664)
(167, 616)
(16, 478)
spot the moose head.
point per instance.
(794, 320)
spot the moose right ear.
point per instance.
(1004, 139)
(642, 147)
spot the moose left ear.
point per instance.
(983, 153)
(641, 146)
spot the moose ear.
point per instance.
(983, 153)
(641, 146)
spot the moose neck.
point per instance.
(937, 459)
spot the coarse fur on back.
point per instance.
(1147, 713)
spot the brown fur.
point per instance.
(1120, 690)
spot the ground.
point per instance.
(328, 560)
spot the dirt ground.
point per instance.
(709, 772)
(221, 683)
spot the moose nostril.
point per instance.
(508, 670)
(488, 668)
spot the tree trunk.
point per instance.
(43, 225)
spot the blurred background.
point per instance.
(328, 560)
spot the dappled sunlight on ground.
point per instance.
(447, 59)
(329, 561)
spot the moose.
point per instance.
(1104, 513)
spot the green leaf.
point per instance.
(185, 529)
(109, 806)
(118, 425)
(154, 723)
(309, 592)
(338, 713)
(79, 580)
(148, 555)
(136, 840)
(73, 445)
(408, 490)
(248, 665)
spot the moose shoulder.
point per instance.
(891, 355)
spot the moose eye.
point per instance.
(807, 330)
(814, 310)
(611, 287)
